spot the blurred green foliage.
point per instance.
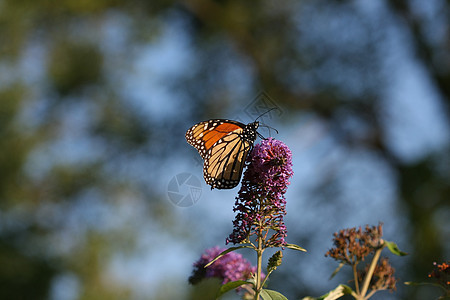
(304, 71)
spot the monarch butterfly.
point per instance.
(224, 146)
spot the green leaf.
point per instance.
(230, 286)
(225, 252)
(295, 247)
(337, 293)
(394, 248)
(272, 295)
(337, 270)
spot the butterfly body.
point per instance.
(224, 146)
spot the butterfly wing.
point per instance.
(205, 134)
(225, 160)
(221, 144)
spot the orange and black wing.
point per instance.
(221, 144)
(225, 161)
(205, 134)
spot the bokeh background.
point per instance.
(96, 96)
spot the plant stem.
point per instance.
(355, 277)
(265, 279)
(370, 294)
(259, 252)
(370, 272)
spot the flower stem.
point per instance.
(259, 252)
(355, 277)
(370, 272)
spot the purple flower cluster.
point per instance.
(261, 204)
(230, 267)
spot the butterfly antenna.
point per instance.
(269, 127)
(265, 113)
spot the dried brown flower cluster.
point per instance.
(383, 276)
(353, 245)
(442, 274)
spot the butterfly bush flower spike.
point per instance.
(230, 267)
(261, 204)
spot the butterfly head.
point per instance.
(250, 131)
(254, 125)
